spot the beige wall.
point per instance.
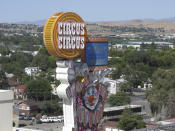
(6, 110)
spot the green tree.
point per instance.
(135, 77)
(22, 58)
(163, 85)
(129, 121)
(4, 60)
(44, 62)
(153, 45)
(38, 89)
(170, 105)
(4, 50)
(119, 99)
(52, 108)
(15, 68)
(25, 78)
(3, 80)
(126, 87)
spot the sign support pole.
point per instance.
(63, 76)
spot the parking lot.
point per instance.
(44, 126)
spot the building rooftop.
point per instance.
(108, 109)
(20, 87)
(145, 42)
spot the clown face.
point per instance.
(91, 96)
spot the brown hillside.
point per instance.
(166, 25)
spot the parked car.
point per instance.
(44, 116)
(46, 120)
(60, 119)
(28, 117)
(21, 117)
(52, 119)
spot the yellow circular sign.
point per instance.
(65, 35)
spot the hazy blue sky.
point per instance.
(89, 10)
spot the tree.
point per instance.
(136, 77)
(22, 58)
(38, 89)
(119, 99)
(52, 108)
(44, 62)
(170, 105)
(126, 87)
(153, 45)
(43, 51)
(143, 45)
(4, 60)
(25, 78)
(4, 50)
(3, 80)
(15, 68)
(161, 93)
(129, 121)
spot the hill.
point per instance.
(166, 25)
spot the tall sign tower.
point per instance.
(83, 87)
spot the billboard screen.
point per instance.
(96, 54)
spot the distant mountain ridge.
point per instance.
(38, 22)
(172, 19)
(42, 22)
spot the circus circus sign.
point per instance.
(65, 35)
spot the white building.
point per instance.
(137, 44)
(112, 89)
(9, 75)
(127, 45)
(32, 71)
(114, 85)
(34, 53)
(6, 110)
(147, 85)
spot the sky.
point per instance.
(89, 10)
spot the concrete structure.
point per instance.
(62, 75)
(6, 110)
(114, 113)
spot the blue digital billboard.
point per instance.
(96, 54)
